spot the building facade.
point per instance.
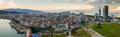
(105, 13)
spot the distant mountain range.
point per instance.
(17, 11)
(6, 12)
(22, 10)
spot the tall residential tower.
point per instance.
(105, 13)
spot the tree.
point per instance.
(99, 25)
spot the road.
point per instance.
(91, 31)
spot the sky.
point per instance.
(90, 5)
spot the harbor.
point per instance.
(7, 31)
(18, 28)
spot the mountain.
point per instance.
(22, 10)
(6, 12)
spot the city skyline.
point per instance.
(92, 5)
(59, 18)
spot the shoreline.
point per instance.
(17, 28)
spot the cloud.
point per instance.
(10, 4)
(118, 8)
(114, 5)
(81, 4)
(73, 1)
(115, 1)
(86, 7)
(66, 1)
(1, 2)
(118, 15)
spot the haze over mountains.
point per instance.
(23, 10)
(18, 10)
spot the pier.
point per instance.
(18, 28)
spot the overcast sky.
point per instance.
(114, 5)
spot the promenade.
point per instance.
(91, 31)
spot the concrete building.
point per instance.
(82, 18)
(105, 13)
(96, 17)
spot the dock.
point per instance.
(18, 28)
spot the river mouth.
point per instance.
(6, 30)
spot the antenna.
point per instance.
(100, 5)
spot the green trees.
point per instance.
(99, 25)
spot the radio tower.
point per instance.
(100, 5)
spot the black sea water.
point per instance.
(7, 31)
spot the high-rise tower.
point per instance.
(105, 13)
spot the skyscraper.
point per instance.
(99, 13)
(105, 13)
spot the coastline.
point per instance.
(17, 28)
(7, 31)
